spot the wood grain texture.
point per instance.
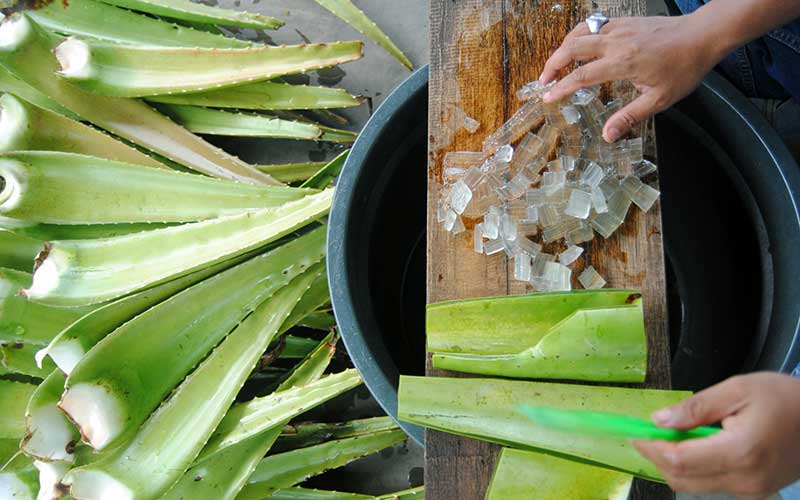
(482, 51)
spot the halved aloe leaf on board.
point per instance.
(487, 409)
(525, 475)
(186, 10)
(27, 127)
(595, 335)
(139, 71)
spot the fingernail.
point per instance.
(613, 134)
(663, 416)
(541, 77)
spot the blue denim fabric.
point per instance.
(769, 67)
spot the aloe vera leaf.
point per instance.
(326, 175)
(318, 321)
(21, 358)
(74, 341)
(49, 187)
(297, 347)
(524, 475)
(315, 297)
(50, 475)
(225, 473)
(13, 398)
(9, 83)
(417, 493)
(27, 127)
(49, 436)
(217, 122)
(27, 54)
(338, 136)
(19, 479)
(291, 172)
(167, 444)
(49, 232)
(265, 96)
(309, 434)
(258, 415)
(93, 271)
(297, 493)
(292, 467)
(99, 20)
(18, 251)
(9, 448)
(140, 71)
(517, 322)
(22, 321)
(197, 318)
(352, 15)
(486, 409)
(601, 345)
(186, 10)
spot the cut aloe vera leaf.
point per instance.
(327, 174)
(140, 71)
(21, 359)
(297, 493)
(26, 52)
(93, 271)
(49, 435)
(313, 366)
(11, 84)
(265, 96)
(23, 321)
(338, 136)
(297, 347)
(292, 172)
(517, 322)
(486, 409)
(601, 345)
(525, 475)
(352, 15)
(50, 475)
(317, 296)
(167, 444)
(13, 399)
(19, 479)
(293, 467)
(9, 448)
(100, 20)
(193, 12)
(318, 321)
(217, 122)
(27, 127)
(309, 434)
(74, 341)
(48, 187)
(124, 394)
(254, 417)
(18, 251)
(50, 232)
(417, 493)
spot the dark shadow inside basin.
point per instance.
(731, 231)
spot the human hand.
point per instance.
(664, 57)
(757, 452)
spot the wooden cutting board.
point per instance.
(482, 51)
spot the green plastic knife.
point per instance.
(603, 424)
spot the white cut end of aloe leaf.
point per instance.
(45, 279)
(96, 412)
(74, 56)
(12, 486)
(11, 184)
(50, 435)
(65, 354)
(50, 474)
(88, 484)
(13, 126)
(13, 31)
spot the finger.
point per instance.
(710, 405)
(580, 48)
(621, 122)
(691, 459)
(581, 30)
(594, 73)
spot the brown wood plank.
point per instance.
(482, 51)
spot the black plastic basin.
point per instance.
(731, 233)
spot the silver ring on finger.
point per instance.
(596, 21)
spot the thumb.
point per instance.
(637, 111)
(705, 407)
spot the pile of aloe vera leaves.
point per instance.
(165, 321)
(558, 341)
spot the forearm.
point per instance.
(728, 24)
